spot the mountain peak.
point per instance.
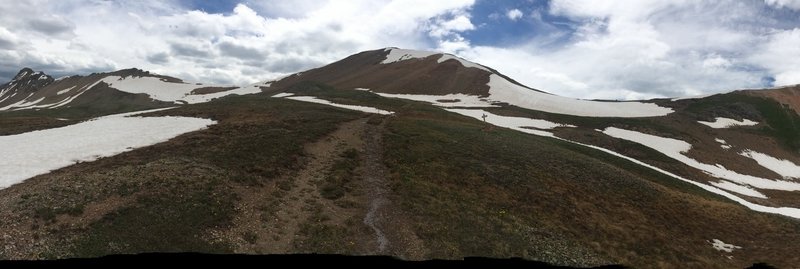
(398, 54)
(25, 71)
(28, 74)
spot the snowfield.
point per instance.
(785, 211)
(718, 188)
(283, 94)
(65, 90)
(155, 87)
(448, 100)
(502, 90)
(785, 168)
(396, 55)
(312, 99)
(721, 122)
(202, 98)
(24, 104)
(674, 148)
(694, 96)
(514, 123)
(35, 153)
(172, 92)
(740, 189)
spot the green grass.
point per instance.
(504, 193)
(90, 105)
(172, 221)
(591, 123)
(466, 191)
(348, 96)
(49, 214)
(173, 194)
(339, 178)
(781, 123)
(266, 145)
(256, 140)
(319, 235)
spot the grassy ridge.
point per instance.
(497, 192)
(782, 123)
(100, 101)
(169, 196)
(257, 139)
(466, 189)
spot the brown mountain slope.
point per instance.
(22, 88)
(775, 134)
(789, 96)
(35, 90)
(415, 76)
(281, 176)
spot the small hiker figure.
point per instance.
(484, 117)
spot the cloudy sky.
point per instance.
(625, 49)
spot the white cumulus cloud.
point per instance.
(514, 14)
(596, 49)
(252, 42)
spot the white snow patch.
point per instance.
(722, 143)
(35, 153)
(283, 94)
(69, 100)
(169, 91)
(693, 97)
(448, 100)
(397, 55)
(721, 122)
(202, 98)
(6, 98)
(17, 104)
(674, 148)
(140, 112)
(463, 62)
(502, 90)
(312, 99)
(785, 211)
(65, 90)
(28, 104)
(155, 87)
(514, 123)
(34, 106)
(740, 189)
(785, 168)
(722, 246)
